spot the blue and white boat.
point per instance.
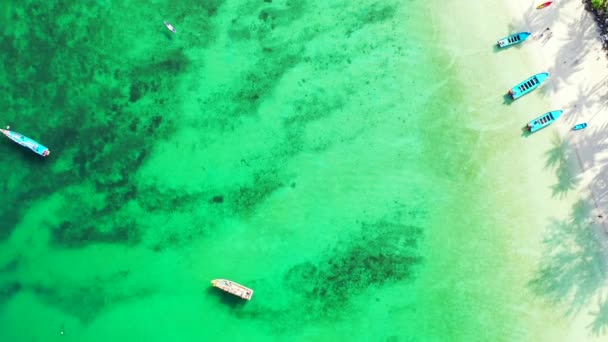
(528, 85)
(26, 142)
(544, 120)
(513, 39)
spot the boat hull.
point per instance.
(170, 27)
(26, 142)
(513, 39)
(544, 120)
(528, 85)
(543, 5)
(233, 288)
(580, 126)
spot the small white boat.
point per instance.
(233, 288)
(170, 27)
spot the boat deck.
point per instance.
(233, 288)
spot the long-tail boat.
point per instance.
(528, 85)
(26, 142)
(544, 120)
(513, 39)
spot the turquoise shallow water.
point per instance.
(316, 152)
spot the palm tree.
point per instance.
(599, 4)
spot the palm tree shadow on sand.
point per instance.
(572, 271)
(562, 158)
(571, 53)
(591, 142)
(588, 96)
(599, 326)
(537, 21)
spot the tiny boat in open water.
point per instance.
(528, 85)
(26, 142)
(170, 27)
(544, 4)
(544, 120)
(513, 39)
(579, 126)
(233, 288)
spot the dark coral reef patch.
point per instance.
(86, 300)
(383, 252)
(379, 253)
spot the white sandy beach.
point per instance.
(571, 50)
(532, 197)
(566, 42)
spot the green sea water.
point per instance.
(331, 155)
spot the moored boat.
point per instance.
(579, 126)
(544, 4)
(233, 288)
(170, 27)
(544, 120)
(26, 142)
(528, 85)
(513, 39)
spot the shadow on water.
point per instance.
(169, 35)
(19, 158)
(525, 132)
(507, 99)
(562, 158)
(22, 154)
(497, 49)
(225, 298)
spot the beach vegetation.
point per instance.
(599, 4)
